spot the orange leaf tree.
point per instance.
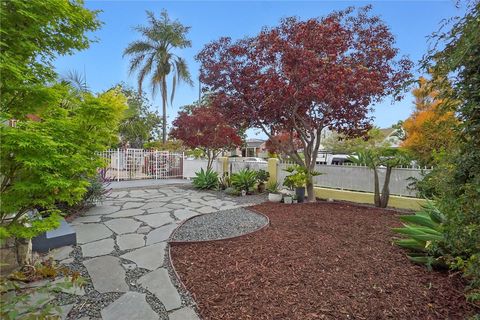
(430, 129)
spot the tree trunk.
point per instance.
(386, 190)
(209, 160)
(310, 191)
(376, 195)
(164, 110)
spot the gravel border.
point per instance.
(219, 225)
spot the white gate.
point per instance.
(133, 164)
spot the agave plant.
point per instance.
(425, 239)
(244, 179)
(205, 179)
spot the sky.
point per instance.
(411, 22)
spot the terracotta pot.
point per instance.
(261, 187)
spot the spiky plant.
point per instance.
(425, 239)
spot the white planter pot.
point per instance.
(274, 197)
(287, 200)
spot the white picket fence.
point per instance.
(360, 178)
(133, 164)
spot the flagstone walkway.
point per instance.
(121, 252)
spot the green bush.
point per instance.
(206, 180)
(262, 176)
(244, 179)
(298, 176)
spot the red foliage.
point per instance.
(283, 142)
(205, 128)
(304, 76)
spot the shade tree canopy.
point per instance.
(304, 76)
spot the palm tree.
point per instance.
(153, 56)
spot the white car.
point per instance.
(252, 159)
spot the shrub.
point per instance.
(245, 179)
(298, 177)
(262, 176)
(206, 180)
(98, 189)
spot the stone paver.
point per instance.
(62, 253)
(98, 248)
(102, 210)
(65, 310)
(206, 209)
(130, 241)
(158, 282)
(186, 313)
(131, 205)
(107, 274)
(149, 257)
(159, 210)
(182, 214)
(91, 232)
(123, 225)
(160, 234)
(132, 305)
(85, 219)
(76, 290)
(144, 229)
(126, 213)
(140, 221)
(156, 220)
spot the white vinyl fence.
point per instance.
(236, 165)
(133, 164)
(195, 165)
(360, 178)
(190, 167)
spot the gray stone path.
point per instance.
(122, 246)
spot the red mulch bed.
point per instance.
(317, 261)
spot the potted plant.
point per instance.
(273, 194)
(295, 199)
(262, 176)
(288, 199)
(297, 180)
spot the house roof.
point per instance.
(387, 131)
(254, 143)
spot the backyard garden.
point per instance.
(238, 239)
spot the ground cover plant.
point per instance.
(321, 261)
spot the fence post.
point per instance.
(118, 164)
(273, 170)
(183, 164)
(223, 164)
